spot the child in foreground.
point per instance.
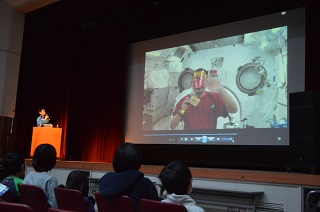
(79, 180)
(176, 178)
(15, 165)
(43, 161)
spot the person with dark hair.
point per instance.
(127, 179)
(44, 160)
(176, 178)
(43, 117)
(14, 164)
(79, 180)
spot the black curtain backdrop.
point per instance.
(73, 64)
(78, 76)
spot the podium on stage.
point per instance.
(46, 135)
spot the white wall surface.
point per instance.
(11, 38)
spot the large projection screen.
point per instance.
(258, 61)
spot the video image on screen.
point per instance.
(222, 85)
(247, 71)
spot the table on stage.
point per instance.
(48, 135)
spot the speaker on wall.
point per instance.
(304, 131)
(6, 124)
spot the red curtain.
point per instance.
(78, 76)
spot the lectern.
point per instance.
(46, 135)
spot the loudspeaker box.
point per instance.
(304, 131)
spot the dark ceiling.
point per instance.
(146, 19)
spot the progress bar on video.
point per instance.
(205, 139)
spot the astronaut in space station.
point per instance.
(208, 101)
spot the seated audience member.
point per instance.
(127, 179)
(79, 180)
(176, 178)
(44, 160)
(3, 172)
(15, 165)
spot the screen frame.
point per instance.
(152, 153)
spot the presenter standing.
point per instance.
(43, 118)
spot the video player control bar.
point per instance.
(205, 139)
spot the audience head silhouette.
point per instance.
(44, 158)
(78, 180)
(126, 157)
(176, 178)
(14, 163)
(127, 179)
(14, 166)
